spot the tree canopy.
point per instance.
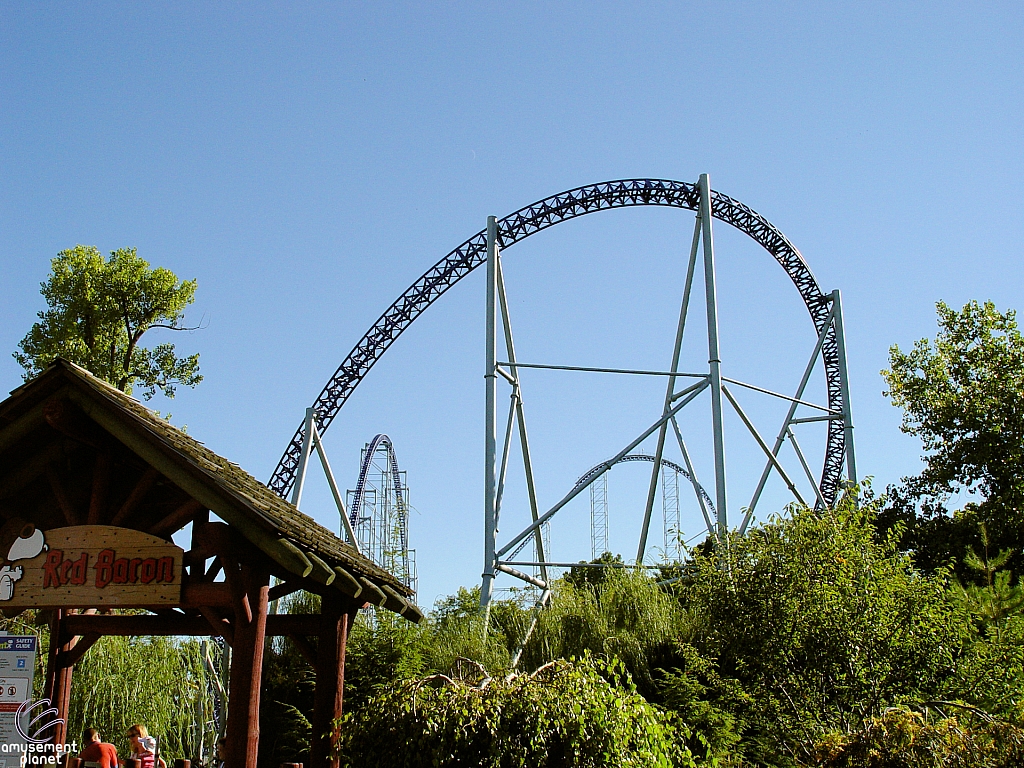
(98, 311)
(963, 395)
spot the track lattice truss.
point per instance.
(546, 213)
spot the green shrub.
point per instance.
(567, 714)
(901, 738)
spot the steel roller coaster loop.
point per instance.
(604, 466)
(822, 307)
(364, 470)
(378, 512)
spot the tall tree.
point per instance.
(97, 313)
(963, 395)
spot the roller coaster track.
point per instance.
(546, 213)
(604, 466)
(396, 477)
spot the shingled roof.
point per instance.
(292, 539)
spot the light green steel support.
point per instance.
(490, 418)
(524, 441)
(764, 446)
(781, 437)
(806, 467)
(693, 479)
(696, 390)
(332, 483)
(714, 358)
(669, 391)
(500, 493)
(307, 442)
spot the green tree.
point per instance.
(812, 624)
(97, 313)
(963, 396)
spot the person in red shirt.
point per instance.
(97, 753)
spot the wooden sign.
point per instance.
(91, 566)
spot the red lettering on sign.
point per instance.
(78, 569)
(166, 572)
(51, 568)
(110, 569)
(104, 568)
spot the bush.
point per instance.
(816, 626)
(565, 714)
(901, 738)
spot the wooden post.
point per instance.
(58, 678)
(243, 731)
(336, 613)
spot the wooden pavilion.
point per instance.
(92, 487)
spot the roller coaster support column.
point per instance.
(670, 391)
(714, 361)
(844, 382)
(491, 426)
(307, 441)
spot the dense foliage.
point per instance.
(97, 313)
(796, 645)
(564, 714)
(963, 395)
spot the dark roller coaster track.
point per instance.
(546, 213)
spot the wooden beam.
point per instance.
(61, 494)
(372, 593)
(330, 677)
(233, 576)
(11, 434)
(206, 594)
(155, 625)
(283, 589)
(76, 650)
(68, 419)
(100, 488)
(142, 487)
(177, 519)
(194, 560)
(219, 625)
(58, 679)
(176, 468)
(243, 726)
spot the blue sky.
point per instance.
(306, 162)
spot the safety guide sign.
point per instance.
(17, 667)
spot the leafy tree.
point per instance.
(811, 625)
(159, 681)
(565, 714)
(624, 615)
(963, 395)
(997, 599)
(579, 575)
(97, 313)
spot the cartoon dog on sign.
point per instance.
(21, 541)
